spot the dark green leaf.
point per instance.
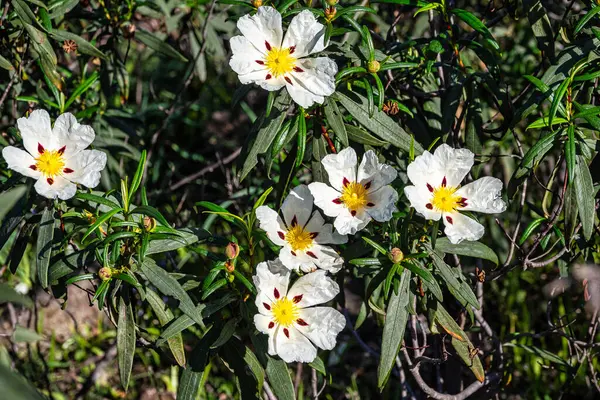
(82, 45)
(125, 341)
(336, 121)
(44, 245)
(466, 248)
(153, 42)
(280, 379)
(584, 192)
(9, 295)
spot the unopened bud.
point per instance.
(229, 266)
(332, 2)
(232, 250)
(128, 30)
(105, 273)
(373, 66)
(330, 13)
(230, 277)
(396, 255)
(257, 3)
(149, 223)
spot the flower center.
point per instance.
(285, 311)
(298, 238)
(354, 196)
(444, 199)
(50, 162)
(279, 61)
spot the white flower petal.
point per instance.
(326, 258)
(271, 279)
(316, 81)
(315, 223)
(328, 236)
(264, 26)
(385, 203)
(483, 195)
(315, 288)
(323, 326)
(425, 169)
(87, 165)
(20, 160)
(297, 205)
(456, 163)
(295, 348)
(262, 323)
(459, 227)
(270, 222)
(346, 224)
(297, 261)
(339, 166)
(35, 129)
(306, 33)
(370, 170)
(69, 133)
(61, 188)
(258, 77)
(245, 55)
(419, 197)
(324, 197)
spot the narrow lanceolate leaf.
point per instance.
(82, 45)
(570, 152)
(165, 315)
(170, 287)
(152, 41)
(479, 26)
(393, 330)
(99, 221)
(4, 63)
(557, 100)
(586, 18)
(541, 26)
(535, 154)
(44, 245)
(125, 341)
(584, 193)
(336, 121)
(280, 379)
(189, 384)
(82, 88)
(465, 248)
(380, 123)
(9, 295)
(459, 288)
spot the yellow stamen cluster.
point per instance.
(354, 196)
(444, 199)
(298, 238)
(50, 163)
(285, 311)
(279, 61)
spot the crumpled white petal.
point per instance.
(87, 165)
(296, 348)
(243, 60)
(315, 82)
(298, 203)
(61, 188)
(456, 163)
(264, 26)
(306, 34)
(315, 288)
(324, 196)
(270, 275)
(339, 166)
(483, 195)
(385, 203)
(371, 170)
(419, 196)
(324, 324)
(35, 129)
(270, 222)
(74, 136)
(20, 160)
(462, 228)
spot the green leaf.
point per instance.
(545, 123)
(82, 88)
(99, 221)
(24, 335)
(82, 45)
(137, 178)
(280, 379)
(151, 212)
(476, 24)
(535, 154)
(68, 264)
(301, 123)
(465, 248)
(557, 100)
(419, 3)
(545, 354)
(570, 152)
(530, 229)
(44, 245)
(16, 387)
(189, 383)
(375, 245)
(541, 26)
(61, 7)
(396, 65)
(9, 198)
(165, 315)
(459, 289)
(153, 42)
(586, 18)
(393, 330)
(9, 295)
(169, 286)
(380, 124)
(319, 365)
(185, 237)
(361, 136)
(96, 199)
(125, 341)
(584, 193)
(4, 63)
(336, 121)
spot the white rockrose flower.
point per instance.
(294, 326)
(357, 195)
(302, 233)
(437, 193)
(265, 57)
(56, 157)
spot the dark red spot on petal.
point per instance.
(40, 148)
(293, 253)
(276, 293)
(268, 76)
(271, 325)
(353, 213)
(430, 188)
(50, 181)
(449, 219)
(429, 206)
(297, 299)
(310, 253)
(345, 182)
(61, 150)
(301, 322)
(281, 235)
(292, 49)
(288, 80)
(337, 201)
(444, 182)
(294, 220)
(286, 332)
(314, 235)
(33, 167)
(67, 170)
(268, 307)
(367, 185)
(298, 69)
(267, 45)
(370, 204)
(260, 62)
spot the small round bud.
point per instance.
(330, 13)
(232, 250)
(105, 273)
(373, 66)
(396, 255)
(149, 223)
(229, 266)
(332, 2)
(128, 30)
(257, 3)
(230, 277)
